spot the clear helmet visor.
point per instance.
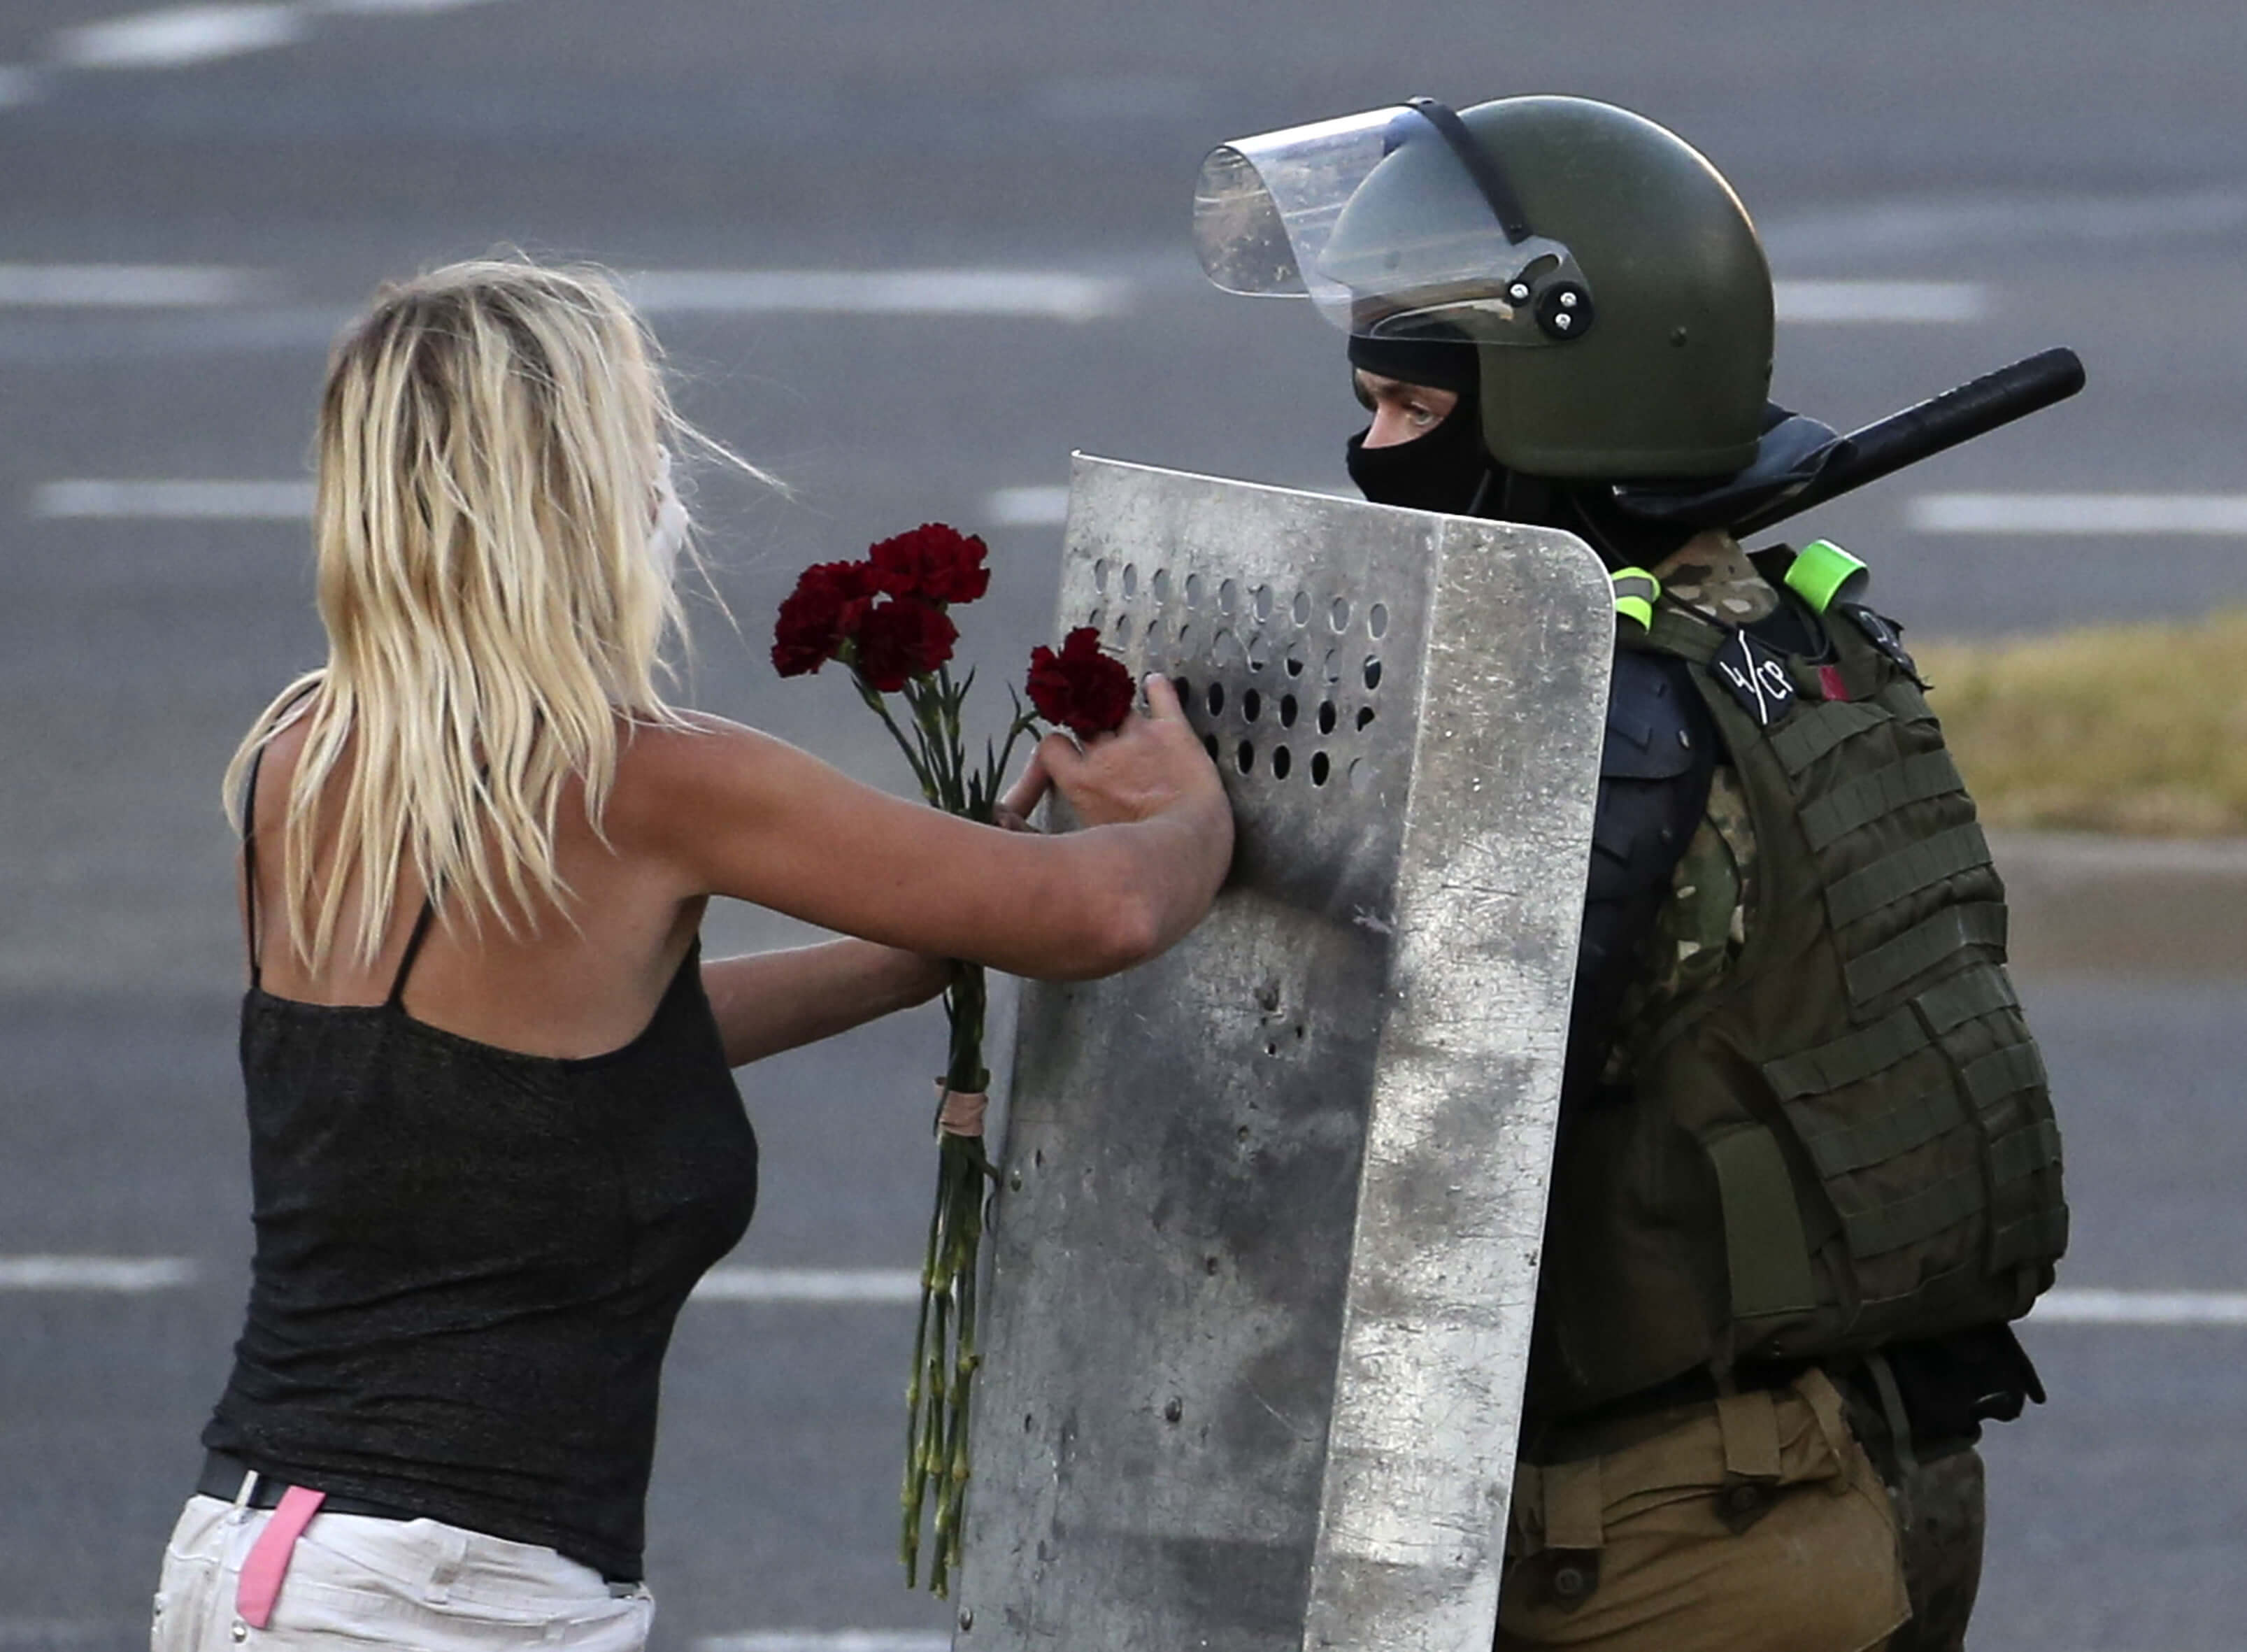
(1379, 222)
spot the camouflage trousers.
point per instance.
(1939, 1512)
(1758, 1522)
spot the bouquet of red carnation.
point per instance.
(887, 619)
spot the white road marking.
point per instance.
(1942, 226)
(809, 1285)
(1044, 295)
(174, 501)
(385, 8)
(139, 1275)
(178, 34)
(123, 1275)
(17, 84)
(2142, 1308)
(128, 286)
(1026, 507)
(2223, 515)
(825, 1641)
(1922, 302)
(43, 1633)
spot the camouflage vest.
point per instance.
(1827, 1129)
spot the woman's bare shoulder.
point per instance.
(275, 766)
(670, 774)
(682, 746)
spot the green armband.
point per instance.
(1819, 571)
(1635, 593)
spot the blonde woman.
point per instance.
(494, 1138)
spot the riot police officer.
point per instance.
(1808, 1171)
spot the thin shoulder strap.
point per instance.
(397, 999)
(250, 867)
(250, 839)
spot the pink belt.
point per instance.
(269, 1557)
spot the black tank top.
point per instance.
(468, 1258)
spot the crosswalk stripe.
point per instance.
(123, 1275)
(2099, 515)
(1861, 303)
(125, 286)
(825, 1641)
(809, 1285)
(1044, 295)
(2089, 1306)
(174, 36)
(174, 501)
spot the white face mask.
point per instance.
(667, 536)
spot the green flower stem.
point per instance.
(945, 1356)
(922, 772)
(914, 1492)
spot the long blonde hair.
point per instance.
(490, 458)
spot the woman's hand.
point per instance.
(1152, 764)
(729, 811)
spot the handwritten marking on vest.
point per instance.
(1757, 679)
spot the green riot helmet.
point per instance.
(1611, 281)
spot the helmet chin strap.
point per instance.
(1482, 166)
(1562, 307)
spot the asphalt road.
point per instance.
(2065, 174)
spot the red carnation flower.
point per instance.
(822, 613)
(903, 638)
(1086, 691)
(935, 562)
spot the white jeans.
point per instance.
(356, 1582)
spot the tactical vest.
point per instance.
(1846, 1141)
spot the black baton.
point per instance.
(1974, 409)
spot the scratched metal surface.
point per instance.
(1267, 1230)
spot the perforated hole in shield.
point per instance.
(1282, 683)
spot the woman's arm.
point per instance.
(734, 812)
(768, 1002)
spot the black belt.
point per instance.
(222, 1478)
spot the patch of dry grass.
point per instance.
(2138, 729)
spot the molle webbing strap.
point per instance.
(1766, 1255)
(1911, 1124)
(2021, 1154)
(2039, 1237)
(1679, 631)
(1882, 792)
(1978, 991)
(2022, 1202)
(1902, 697)
(1872, 1050)
(1899, 876)
(1924, 946)
(1876, 1230)
(2004, 1072)
(1899, 1421)
(1849, 1059)
(1818, 728)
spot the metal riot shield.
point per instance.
(1266, 1236)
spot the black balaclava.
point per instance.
(1445, 470)
(1449, 469)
